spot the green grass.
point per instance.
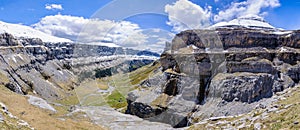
(116, 100)
(86, 94)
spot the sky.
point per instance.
(140, 23)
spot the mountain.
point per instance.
(219, 73)
(248, 21)
(233, 76)
(56, 73)
(147, 53)
(19, 30)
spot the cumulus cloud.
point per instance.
(89, 30)
(184, 14)
(79, 29)
(249, 7)
(53, 7)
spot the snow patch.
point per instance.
(282, 49)
(248, 21)
(282, 32)
(18, 30)
(108, 44)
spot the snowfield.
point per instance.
(18, 30)
(248, 21)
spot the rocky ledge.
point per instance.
(222, 72)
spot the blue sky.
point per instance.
(135, 23)
(31, 11)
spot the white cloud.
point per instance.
(123, 33)
(253, 7)
(53, 7)
(184, 14)
(90, 30)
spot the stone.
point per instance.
(3, 107)
(257, 126)
(115, 120)
(39, 102)
(1, 118)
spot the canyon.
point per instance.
(203, 78)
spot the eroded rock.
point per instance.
(245, 87)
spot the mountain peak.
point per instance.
(247, 21)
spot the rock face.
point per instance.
(243, 87)
(294, 73)
(224, 66)
(51, 70)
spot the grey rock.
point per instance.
(247, 87)
(294, 73)
(261, 66)
(169, 102)
(39, 102)
(257, 126)
(1, 118)
(3, 107)
(283, 83)
(8, 40)
(116, 121)
(272, 109)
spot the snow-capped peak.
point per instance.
(18, 30)
(248, 21)
(252, 17)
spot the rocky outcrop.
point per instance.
(8, 40)
(223, 66)
(237, 37)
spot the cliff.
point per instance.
(220, 72)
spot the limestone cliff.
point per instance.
(205, 72)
